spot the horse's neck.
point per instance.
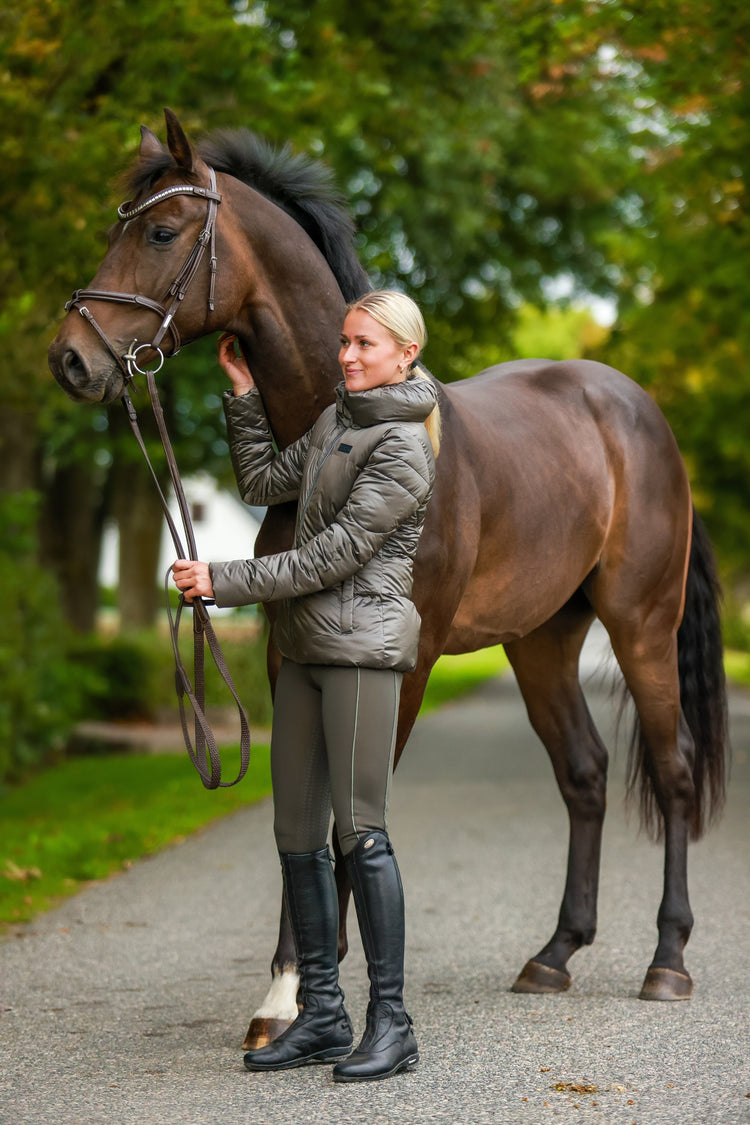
(292, 321)
(296, 372)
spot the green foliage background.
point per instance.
(41, 692)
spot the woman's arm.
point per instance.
(392, 485)
(264, 475)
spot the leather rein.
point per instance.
(205, 754)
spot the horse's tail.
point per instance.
(702, 696)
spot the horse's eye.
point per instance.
(161, 236)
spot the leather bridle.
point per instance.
(177, 290)
(205, 756)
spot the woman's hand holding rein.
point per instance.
(193, 579)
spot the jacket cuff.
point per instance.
(241, 405)
(232, 583)
(240, 582)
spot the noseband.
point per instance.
(205, 755)
(128, 363)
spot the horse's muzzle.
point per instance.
(79, 381)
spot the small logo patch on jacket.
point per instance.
(344, 448)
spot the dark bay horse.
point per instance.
(561, 496)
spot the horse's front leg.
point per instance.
(280, 1006)
(576, 925)
(546, 667)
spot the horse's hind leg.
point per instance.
(648, 658)
(546, 666)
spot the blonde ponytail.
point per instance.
(432, 423)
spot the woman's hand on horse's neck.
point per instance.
(234, 366)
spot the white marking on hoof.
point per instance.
(281, 1001)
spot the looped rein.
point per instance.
(204, 754)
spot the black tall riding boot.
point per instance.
(388, 1044)
(322, 1031)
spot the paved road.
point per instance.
(128, 1004)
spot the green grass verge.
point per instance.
(454, 676)
(88, 817)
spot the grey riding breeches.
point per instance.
(334, 733)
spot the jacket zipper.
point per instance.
(318, 472)
(310, 491)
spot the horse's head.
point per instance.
(145, 278)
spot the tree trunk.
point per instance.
(70, 537)
(138, 512)
(70, 522)
(18, 446)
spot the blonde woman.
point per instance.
(347, 631)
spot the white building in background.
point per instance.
(224, 528)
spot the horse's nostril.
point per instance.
(73, 368)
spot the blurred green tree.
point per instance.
(683, 288)
(487, 149)
(42, 689)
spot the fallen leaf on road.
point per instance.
(574, 1087)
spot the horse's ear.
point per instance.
(150, 143)
(183, 152)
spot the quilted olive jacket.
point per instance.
(362, 477)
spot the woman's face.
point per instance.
(369, 356)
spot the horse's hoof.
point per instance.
(263, 1031)
(666, 984)
(535, 977)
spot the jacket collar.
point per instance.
(410, 401)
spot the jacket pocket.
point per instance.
(347, 605)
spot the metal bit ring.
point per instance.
(130, 359)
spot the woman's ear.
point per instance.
(411, 351)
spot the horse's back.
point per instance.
(567, 408)
(582, 384)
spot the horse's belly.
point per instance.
(520, 583)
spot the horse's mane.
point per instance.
(303, 187)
